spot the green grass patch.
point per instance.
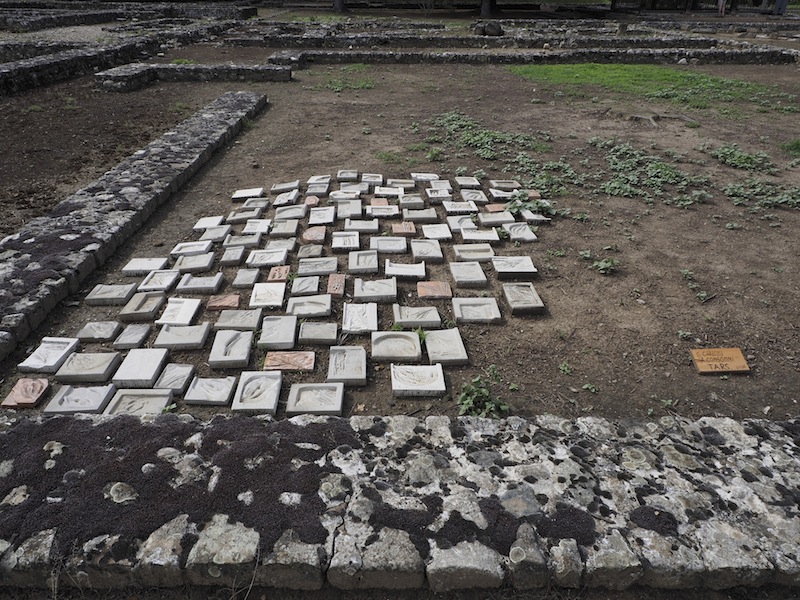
(340, 84)
(687, 88)
(389, 157)
(792, 148)
(733, 156)
(354, 68)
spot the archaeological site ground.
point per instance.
(399, 303)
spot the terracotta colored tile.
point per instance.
(278, 274)
(289, 361)
(314, 235)
(26, 393)
(534, 194)
(434, 289)
(223, 302)
(379, 202)
(493, 208)
(336, 284)
(312, 201)
(406, 228)
(719, 360)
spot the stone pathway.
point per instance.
(269, 275)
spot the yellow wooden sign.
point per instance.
(719, 360)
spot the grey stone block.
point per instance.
(176, 378)
(268, 295)
(159, 281)
(363, 261)
(420, 215)
(312, 332)
(310, 251)
(213, 391)
(611, 564)
(476, 252)
(445, 346)
(527, 564)
(467, 565)
(359, 318)
(514, 267)
(99, 331)
(179, 311)
(348, 365)
(667, 562)
(439, 231)
(468, 274)
(133, 336)
(110, 295)
(388, 245)
(231, 349)
(245, 278)
(278, 333)
(138, 403)
(315, 399)
(258, 391)
(413, 271)
(232, 257)
(519, 232)
(305, 286)
(310, 306)
(198, 263)
(223, 549)
(159, 557)
(522, 298)
(70, 400)
(357, 225)
(427, 250)
(565, 564)
(183, 337)
(730, 556)
(345, 241)
(378, 290)
(411, 317)
(49, 355)
(267, 258)
(192, 284)
(191, 248)
(239, 320)
(489, 236)
(141, 368)
(476, 310)
(89, 367)
(143, 306)
(214, 234)
(317, 266)
(138, 267)
(395, 346)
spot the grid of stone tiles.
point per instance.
(318, 277)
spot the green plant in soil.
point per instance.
(478, 397)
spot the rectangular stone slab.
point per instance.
(395, 346)
(49, 355)
(476, 310)
(205, 222)
(457, 223)
(422, 177)
(99, 331)
(377, 290)
(215, 234)
(467, 182)
(318, 266)
(143, 306)
(411, 202)
(138, 402)
(383, 212)
(261, 203)
(362, 226)
(257, 226)
(223, 302)
(266, 258)
(183, 337)
(179, 311)
(278, 333)
(175, 377)
(505, 184)
(310, 251)
(138, 267)
(388, 244)
(141, 368)
(445, 346)
(440, 231)
(89, 367)
(418, 380)
(468, 274)
(348, 365)
(198, 263)
(244, 194)
(522, 298)
(441, 184)
(110, 295)
(460, 208)
(490, 236)
(215, 391)
(70, 400)
(420, 215)
(248, 240)
(232, 257)
(348, 209)
(305, 286)
(310, 306)
(363, 261)
(231, 349)
(239, 320)
(289, 361)
(427, 250)
(287, 228)
(336, 284)
(286, 198)
(242, 215)
(315, 399)
(312, 332)
(410, 317)
(486, 219)
(191, 248)
(191, 284)
(514, 267)
(477, 252)
(345, 241)
(245, 278)
(258, 391)
(359, 318)
(519, 232)
(268, 295)
(288, 186)
(324, 215)
(414, 271)
(159, 281)
(133, 336)
(476, 196)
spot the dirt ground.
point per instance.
(608, 345)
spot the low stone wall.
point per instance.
(135, 76)
(11, 51)
(49, 257)
(35, 21)
(752, 55)
(40, 70)
(397, 502)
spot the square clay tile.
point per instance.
(289, 361)
(336, 284)
(493, 208)
(406, 228)
(434, 289)
(379, 202)
(314, 235)
(26, 393)
(222, 302)
(278, 274)
(311, 201)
